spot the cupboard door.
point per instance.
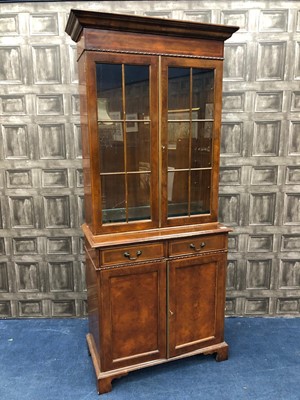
(133, 315)
(124, 139)
(191, 104)
(196, 303)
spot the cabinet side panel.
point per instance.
(216, 140)
(85, 141)
(92, 298)
(221, 292)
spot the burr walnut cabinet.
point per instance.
(150, 98)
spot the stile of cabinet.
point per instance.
(150, 98)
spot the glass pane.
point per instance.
(113, 198)
(190, 133)
(138, 146)
(111, 147)
(203, 92)
(179, 142)
(139, 196)
(109, 91)
(178, 193)
(178, 130)
(137, 91)
(201, 144)
(200, 191)
(178, 145)
(178, 88)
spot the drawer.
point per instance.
(129, 254)
(197, 244)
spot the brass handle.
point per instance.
(202, 244)
(127, 255)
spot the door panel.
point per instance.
(190, 128)
(123, 116)
(133, 314)
(196, 303)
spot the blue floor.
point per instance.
(48, 360)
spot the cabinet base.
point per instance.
(104, 379)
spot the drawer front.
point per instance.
(197, 245)
(129, 254)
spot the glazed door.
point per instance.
(123, 115)
(196, 303)
(133, 315)
(191, 108)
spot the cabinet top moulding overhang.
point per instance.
(80, 19)
(82, 24)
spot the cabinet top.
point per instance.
(153, 235)
(80, 19)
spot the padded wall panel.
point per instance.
(42, 270)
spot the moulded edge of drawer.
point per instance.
(117, 255)
(211, 243)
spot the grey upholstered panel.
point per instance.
(41, 207)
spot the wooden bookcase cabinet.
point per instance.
(150, 98)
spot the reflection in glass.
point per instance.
(178, 130)
(124, 141)
(178, 193)
(103, 111)
(138, 146)
(113, 198)
(111, 147)
(138, 196)
(202, 145)
(109, 87)
(178, 88)
(178, 153)
(203, 92)
(200, 191)
(137, 91)
(190, 138)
